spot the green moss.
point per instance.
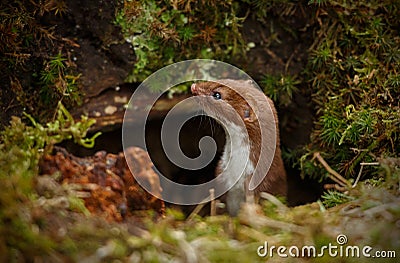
(57, 84)
(21, 147)
(333, 198)
(280, 88)
(163, 32)
(38, 73)
(352, 68)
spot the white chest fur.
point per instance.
(236, 165)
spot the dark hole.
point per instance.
(300, 191)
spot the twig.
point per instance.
(321, 206)
(213, 210)
(70, 42)
(253, 233)
(335, 176)
(273, 200)
(335, 186)
(249, 194)
(195, 211)
(251, 217)
(274, 56)
(202, 204)
(289, 60)
(359, 173)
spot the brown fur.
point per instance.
(275, 181)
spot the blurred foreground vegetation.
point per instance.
(351, 73)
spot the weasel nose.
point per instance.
(193, 88)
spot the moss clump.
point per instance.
(36, 71)
(353, 70)
(280, 88)
(351, 74)
(164, 32)
(20, 149)
(57, 83)
(18, 162)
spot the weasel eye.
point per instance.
(217, 95)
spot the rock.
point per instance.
(105, 182)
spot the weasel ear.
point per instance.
(249, 81)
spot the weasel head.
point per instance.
(238, 94)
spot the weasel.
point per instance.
(216, 97)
